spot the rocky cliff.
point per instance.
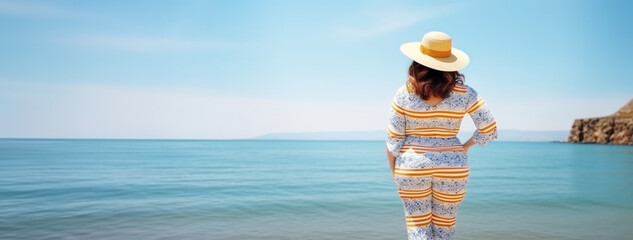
(616, 128)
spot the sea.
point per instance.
(282, 189)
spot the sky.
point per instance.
(241, 69)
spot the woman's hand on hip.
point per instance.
(468, 144)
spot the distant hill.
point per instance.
(504, 135)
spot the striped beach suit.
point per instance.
(431, 169)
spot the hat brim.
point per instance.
(456, 61)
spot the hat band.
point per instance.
(435, 53)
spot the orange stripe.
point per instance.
(450, 173)
(455, 174)
(430, 148)
(411, 196)
(423, 150)
(415, 190)
(449, 130)
(434, 111)
(451, 169)
(459, 89)
(443, 222)
(419, 220)
(449, 201)
(419, 224)
(394, 134)
(434, 129)
(410, 220)
(427, 114)
(433, 132)
(429, 133)
(397, 108)
(440, 169)
(434, 114)
(420, 150)
(413, 174)
(415, 193)
(480, 102)
(434, 148)
(451, 177)
(428, 175)
(443, 219)
(444, 135)
(489, 128)
(433, 215)
(449, 198)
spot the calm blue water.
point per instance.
(153, 189)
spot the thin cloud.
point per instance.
(144, 43)
(379, 22)
(32, 9)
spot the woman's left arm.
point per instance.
(483, 118)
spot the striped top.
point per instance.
(416, 127)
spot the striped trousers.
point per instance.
(431, 197)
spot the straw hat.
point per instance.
(436, 51)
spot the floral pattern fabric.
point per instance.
(431, 169)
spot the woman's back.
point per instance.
(414, 125)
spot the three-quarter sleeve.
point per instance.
(482, 117)
(396, 124)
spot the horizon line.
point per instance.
(258, 137)
(239, 139)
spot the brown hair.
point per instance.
(427, 82)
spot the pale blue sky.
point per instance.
(235, 69)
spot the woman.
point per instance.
(429, 164)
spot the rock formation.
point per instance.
(616, 128)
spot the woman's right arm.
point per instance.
(392, 161)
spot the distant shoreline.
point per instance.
(504, 135)
(508, 135)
